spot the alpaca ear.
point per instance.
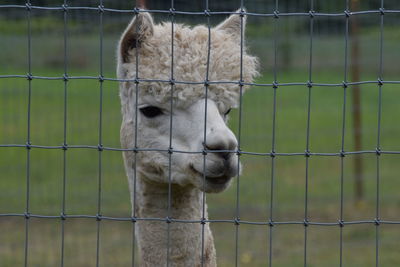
(232, 25)
(138, 31)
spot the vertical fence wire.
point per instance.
(100, 135)
(273, 145)
(206, 84)
(241, 83)
(378, 139)
(170, 149)
(28, 137)
(134, 204)
(342, 150)
(65, 144)
(356, 105)
(307, 151)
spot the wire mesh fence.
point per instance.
(275, 84)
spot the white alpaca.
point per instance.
(152, 43)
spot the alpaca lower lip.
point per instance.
(218, 180)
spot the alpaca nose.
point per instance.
(221, 141)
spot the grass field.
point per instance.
(46, 168)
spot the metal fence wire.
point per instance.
(271, 223)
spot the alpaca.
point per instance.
(150, 44)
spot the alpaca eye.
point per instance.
(151, 111)
(227, 112)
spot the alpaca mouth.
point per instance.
(214, 180)
(218, 180)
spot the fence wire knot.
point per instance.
(276, 14)
(237, 221)
(27, 215)
(64, 146)
(347, 13)
(101, 8)
(64, 7)
(28, 6)
(63, 216)
(98, 217)
(341, 223)
(207, 13)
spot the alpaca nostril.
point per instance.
(221, 142)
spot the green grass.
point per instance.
(46, 175)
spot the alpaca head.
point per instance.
(145, 52)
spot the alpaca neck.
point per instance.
(185, 239)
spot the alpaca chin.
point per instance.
(217, 184)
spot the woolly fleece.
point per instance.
(190, 64)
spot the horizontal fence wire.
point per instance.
(239, 152)
(204, 13)
(100, 217)
(274, 85)
(102, 79)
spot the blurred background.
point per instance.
(292, 37)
